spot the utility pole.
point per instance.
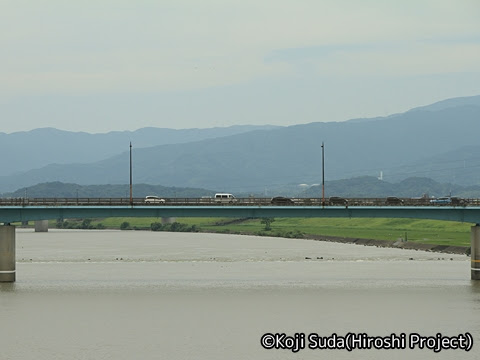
(131, 193)
(323, 174)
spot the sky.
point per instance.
(101, 65)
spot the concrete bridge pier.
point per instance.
(475, 252)
(7, 253)
(41, 226)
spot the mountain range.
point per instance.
(438, 141)
(40, 147)
(363, 186)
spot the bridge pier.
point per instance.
(7, 253)
(41, 226)
(475, 252)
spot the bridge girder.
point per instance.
(10, 214)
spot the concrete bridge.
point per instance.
(10, 214)
(28, 212)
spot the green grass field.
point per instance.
(421, 231)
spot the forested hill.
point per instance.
(366, 186)
(69, 190)
(369, 186)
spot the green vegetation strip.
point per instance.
(418, 231)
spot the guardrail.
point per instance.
(347, 202)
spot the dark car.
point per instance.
(280, 200)
(336, 200)
(393, 200)
(458, 201)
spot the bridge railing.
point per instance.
(65, 201)
(250, 201)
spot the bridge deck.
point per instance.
(9, 214)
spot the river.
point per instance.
(155, 295)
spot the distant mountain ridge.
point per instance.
(58, 189)
(415, 143)
(439, 105)
(364, 186)
(450, 103)
(40, 147)
(369, 186)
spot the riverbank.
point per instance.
(398, 244)
(446, 249)
(418, 234)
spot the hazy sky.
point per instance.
(99, 65)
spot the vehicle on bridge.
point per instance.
(336, 200)
(458, 201)
(151, 199)
(393, 200)
(281, 200)
(448, 200)
(225, 198)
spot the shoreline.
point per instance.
(394, 244)
(397, 244)
(445, 249)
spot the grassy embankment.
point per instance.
(420, 231)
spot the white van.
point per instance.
(225, 198)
